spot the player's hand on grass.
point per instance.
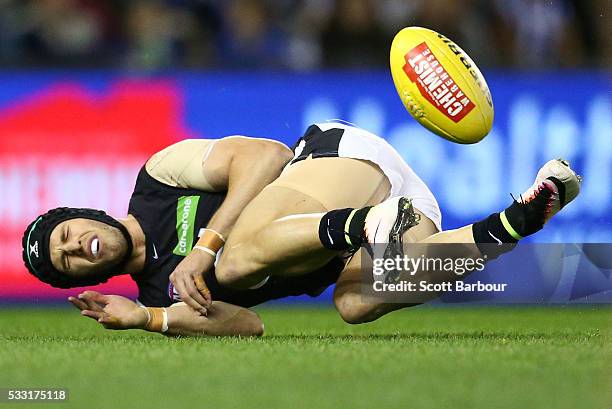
(188, 280)
(112, 311)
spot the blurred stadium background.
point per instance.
(89, 89)
(295, 34)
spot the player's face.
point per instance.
(82, 247)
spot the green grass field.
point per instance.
(419, 358)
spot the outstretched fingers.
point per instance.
(81, 305)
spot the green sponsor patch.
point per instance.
(186, 210)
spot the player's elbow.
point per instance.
(252, 325)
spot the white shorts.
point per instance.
(358, 143)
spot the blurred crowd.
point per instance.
(296, 34)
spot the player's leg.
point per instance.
(338, 169)
(275, 237)
(277, 233)
(555, 186)
(274, 248)
(356, 307)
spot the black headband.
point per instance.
(36, 254)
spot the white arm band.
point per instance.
(206, 250)
(165, 322)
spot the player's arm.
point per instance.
(243, 167)
(223, 319)
(240, 165)
(116, 312)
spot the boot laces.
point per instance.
(541, 200)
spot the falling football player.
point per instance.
(223, 225)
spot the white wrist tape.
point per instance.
(165, 322)
(216, 233)
(157, 319)
(148, 314)
(206, 250)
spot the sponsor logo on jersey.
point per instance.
(435, 84)
(186, 210)
(173, 294)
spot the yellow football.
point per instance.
(440, 85)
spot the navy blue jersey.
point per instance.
(171, 219)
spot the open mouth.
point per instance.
(95, 247)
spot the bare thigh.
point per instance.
(311, 186)
(337, 183)
(356, 308)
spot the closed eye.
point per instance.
(64, 256)
(65, 263)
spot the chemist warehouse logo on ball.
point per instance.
(186, 210)
(435, 84)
